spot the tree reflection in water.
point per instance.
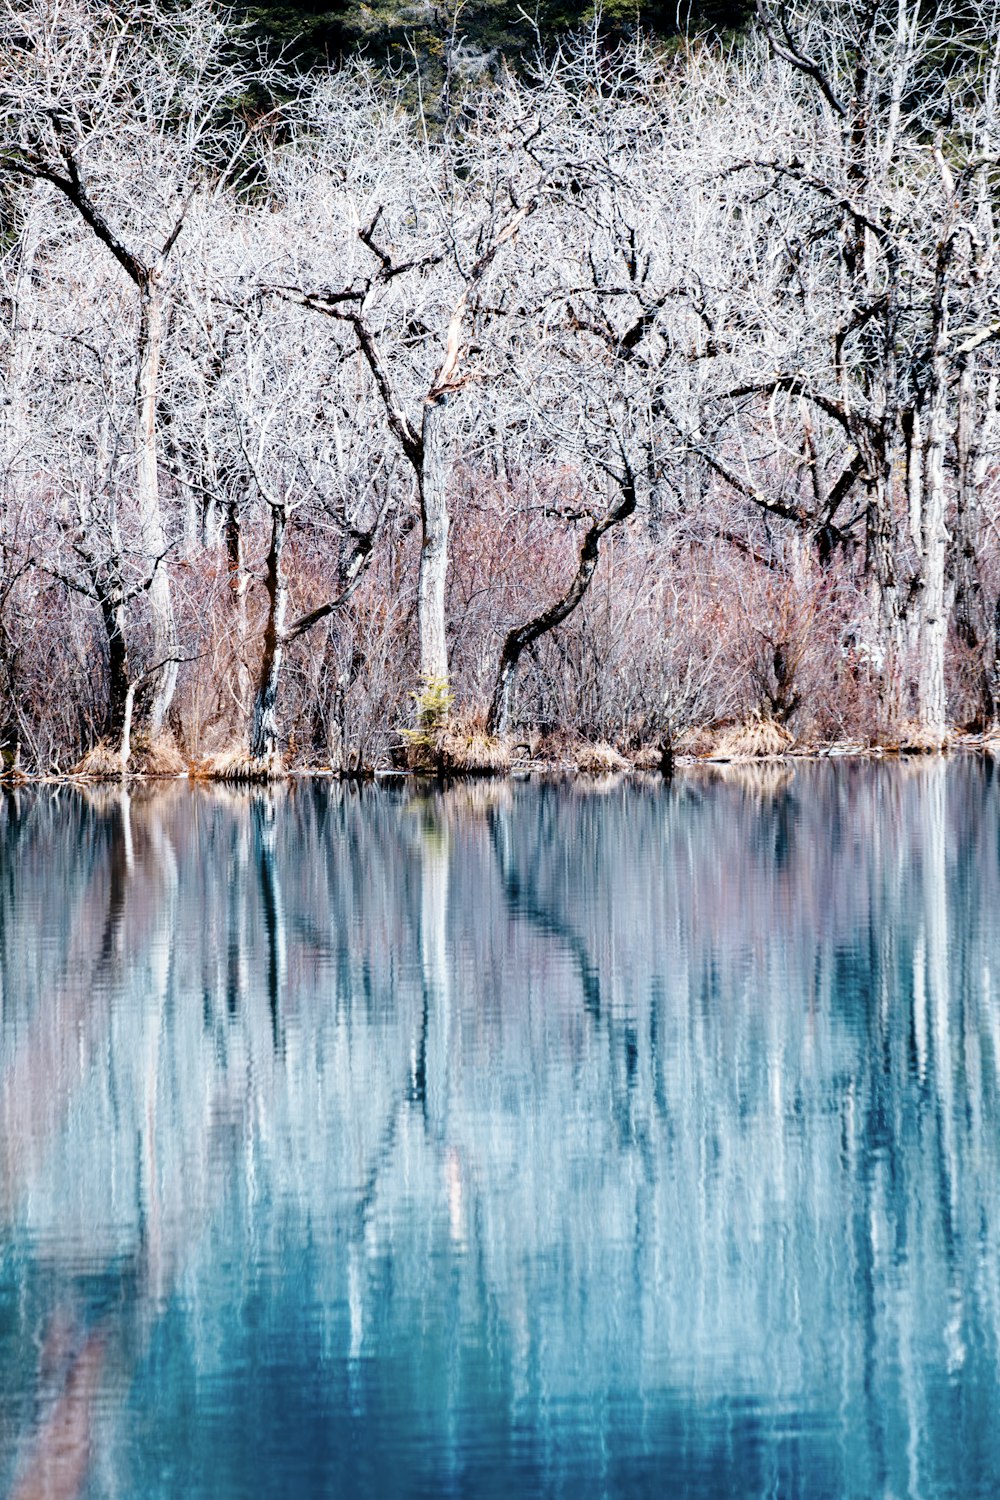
(503, 1137)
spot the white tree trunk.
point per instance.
(164, 646)
(434, 548)
(933, 603)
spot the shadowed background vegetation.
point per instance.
(482, 31)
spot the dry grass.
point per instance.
(461, 747)
(159, 757)
(475, 753)
(698, 739)
(601, 759)
(753, 740)
(101, 763)
(238, 765)
(649, 758)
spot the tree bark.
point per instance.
(147, 277)
(933, 608)
(113, 616)
(264, 722)
(886, 609)
(433, 482)
(524, 635)
(164, 645)
(972, 450)
(967, 582)
(931, 705)
(238, 583)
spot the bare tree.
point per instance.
(454, 211)
(637, 349)
(123, 116)
(896, 219)
(301, 467)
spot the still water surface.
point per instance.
(505, 1140)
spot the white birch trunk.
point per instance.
(164, 647)
(434, 548)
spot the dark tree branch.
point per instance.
(787, 48)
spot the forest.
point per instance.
(641, 395)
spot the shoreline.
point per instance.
(542, 768)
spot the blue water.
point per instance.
(503, 1140)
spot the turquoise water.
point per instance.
(503, 1140)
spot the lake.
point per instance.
(503, 1139)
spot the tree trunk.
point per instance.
(524, 635)
(933, 609)
(113, 615)
(125, 750)
(434, 548)
(109, 590)
(973, 451)
(967, 583)
(164, 646)
(264, 722)
(886, 610)
(915, 479)
(931, 706)
(980, 462)
(238, 582)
